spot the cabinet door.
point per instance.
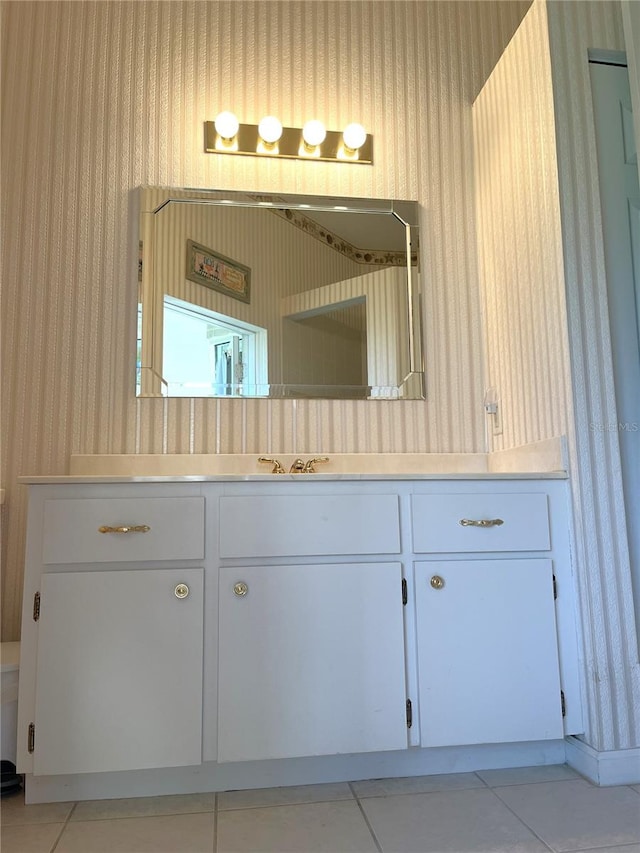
(311, 661)
(119, 671)
(487, 652)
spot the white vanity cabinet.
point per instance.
(311, 660)
(487, 652)
(492, 664)
(119, 671)
(234, 632)
(112, 630)
(312, 651)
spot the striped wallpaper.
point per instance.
(547, 344)
(520, 241)
(602, 556)
(99, 98)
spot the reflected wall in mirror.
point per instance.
(258, 295)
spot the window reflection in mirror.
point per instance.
(280, 296)
(211, 355)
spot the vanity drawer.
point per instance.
(438, 528)
(309, 525)
(72, 530)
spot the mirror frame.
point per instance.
(152, 200)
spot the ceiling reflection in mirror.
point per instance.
(282, 296)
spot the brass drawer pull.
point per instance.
(482, 522)
(240, 588)
(134, 528)
(437, 582)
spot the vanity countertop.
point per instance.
(218, 478)
(540, 460)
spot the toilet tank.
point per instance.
(10, 656)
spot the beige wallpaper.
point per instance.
(387, 331)
(602, 556)
(326, 350)
(520, 241)
(544, 301)
(99, 98)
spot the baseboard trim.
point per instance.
(614, 767)
(610, 767)
(294, 771)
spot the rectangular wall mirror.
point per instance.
(272, 295)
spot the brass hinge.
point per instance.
(409, 714)
(404, 591)
(36, 607)
(31, 737)
(555, 587)
(563, 704)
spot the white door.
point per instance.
(487, 652)
(119, 671)
(311, 661)
(620, 199)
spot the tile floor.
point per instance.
(525, 810)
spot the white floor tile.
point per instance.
(576, 815)
(626, 848)
(336, 827)
(144, 806)
(525, 775)
(416, 784)
(447, 813)
(31, 838)
(283, 796)
(192, 833)
(448, 822)
(14, 812)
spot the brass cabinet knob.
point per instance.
(181, 590)
(437, 582)
(240, 588)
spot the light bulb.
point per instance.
(270, 129)
(354, 136)
(314, 133)
(226, 125)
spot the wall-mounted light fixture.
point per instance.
(269, 138)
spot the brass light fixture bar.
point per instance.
(247, 140)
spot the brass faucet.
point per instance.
(277, 467)
(300, 467)
(309, 466)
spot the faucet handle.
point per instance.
(277, 467)
(309, 467)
